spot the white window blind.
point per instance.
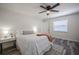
(60, 25)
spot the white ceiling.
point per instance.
(32, 9)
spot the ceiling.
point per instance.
(32, 9)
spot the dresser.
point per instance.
(6, 40)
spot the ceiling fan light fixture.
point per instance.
(48, 12)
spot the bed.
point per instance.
(33, 45)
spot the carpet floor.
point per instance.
(14, 51)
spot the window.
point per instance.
(61, 25)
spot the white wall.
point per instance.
(17, 21)
(45, 26)
(73, 27)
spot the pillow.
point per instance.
(27, 32)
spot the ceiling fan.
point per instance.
(49, 8)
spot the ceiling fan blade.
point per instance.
(55, 5)
(54, 10)
(42, 12)
(43, 6)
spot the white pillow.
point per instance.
(27, 32)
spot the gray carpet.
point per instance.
(11, 51)
(59, 47)
(15, 51)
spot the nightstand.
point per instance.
(6, 40)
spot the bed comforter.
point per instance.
(33, 45)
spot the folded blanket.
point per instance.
(50, 38)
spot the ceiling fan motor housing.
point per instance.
(48, 7)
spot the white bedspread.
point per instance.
(32, 44)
